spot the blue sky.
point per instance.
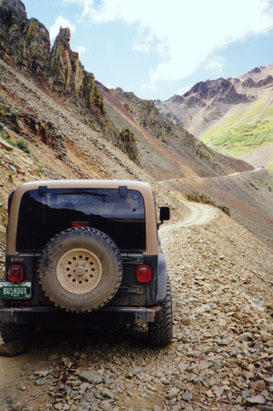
(158, 48)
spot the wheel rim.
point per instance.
(79, 271)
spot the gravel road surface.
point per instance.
(221, 357)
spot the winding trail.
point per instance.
(200, 214)
(214, 177)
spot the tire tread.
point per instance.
(160, 332)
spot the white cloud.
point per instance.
(81, 50)
(60, 22)
(215, 64)
(143, 46)
(183, 33)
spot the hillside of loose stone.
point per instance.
(164, 148)
(247, 197)
(221, 354)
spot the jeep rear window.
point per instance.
(117, 212)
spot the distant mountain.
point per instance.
(231, 115)
(204, 104)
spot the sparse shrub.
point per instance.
(22, 144)
(200, 198)
(7, 137)
(268, 186)
(253, 185)
(11, 141)
(41, 168)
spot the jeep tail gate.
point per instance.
(85, 250)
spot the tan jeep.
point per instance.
(85, 250)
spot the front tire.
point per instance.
(160, 332)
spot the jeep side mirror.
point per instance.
(164, 214)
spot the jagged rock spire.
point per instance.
(26, 44)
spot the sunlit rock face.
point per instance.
(67, 75)
(26, 44)
(23, 42)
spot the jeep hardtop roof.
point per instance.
(87, 183)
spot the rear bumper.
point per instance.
(52, 315)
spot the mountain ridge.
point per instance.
(164, 136)
(232, 116)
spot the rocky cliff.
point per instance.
(220, 90)
(25, 43)
(66, 74)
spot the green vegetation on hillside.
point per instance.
(242, 132)
(22, 144)
(242, 138)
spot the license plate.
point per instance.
(17, 291)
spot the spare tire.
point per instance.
(80, 269)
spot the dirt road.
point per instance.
(200, 214)
(221, 355)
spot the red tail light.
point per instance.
(80, 224)
(15, 273)
(144, 273)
